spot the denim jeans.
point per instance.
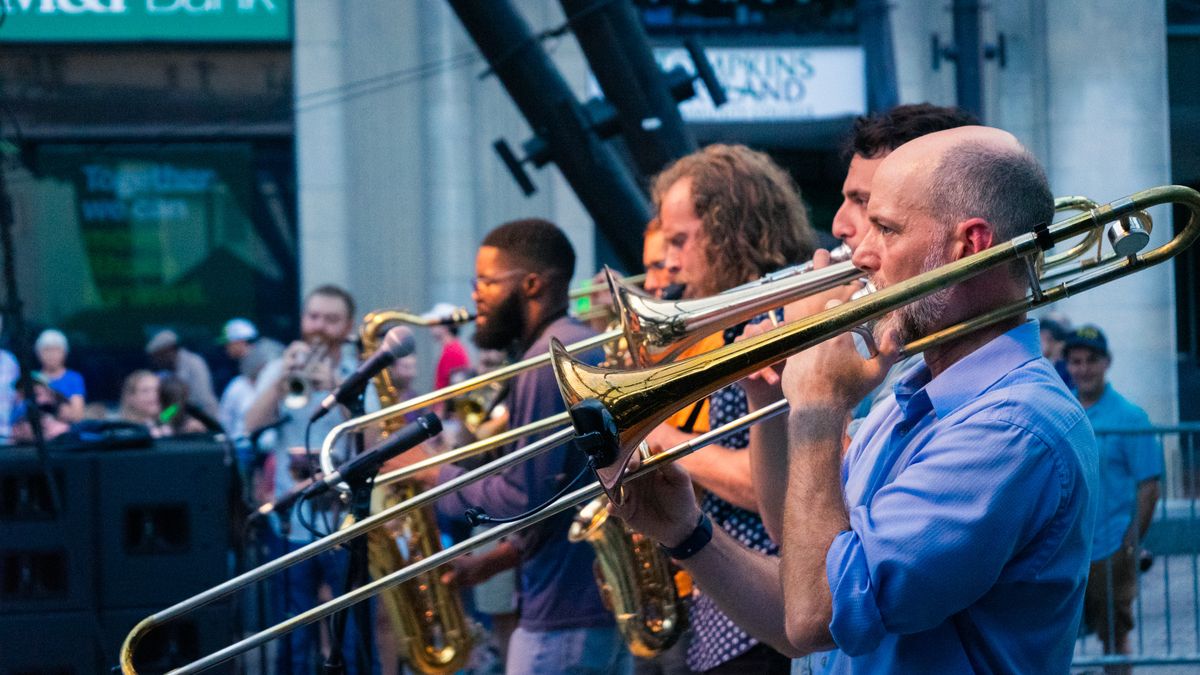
(574, 651)
(297, 591)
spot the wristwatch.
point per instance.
(694, 542)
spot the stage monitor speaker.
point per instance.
(50, 643)
(164, 523)
(47, 558)
(172, 645)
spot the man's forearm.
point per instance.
(814, 514)
(1147, 498)
(769, 466)
(745, 585)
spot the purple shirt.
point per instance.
(557, 585)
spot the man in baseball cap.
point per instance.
(237, 336)
(1131, 466)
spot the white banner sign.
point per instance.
(776, 84)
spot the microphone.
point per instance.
(397, 343)
(427, 426)
(285, 502)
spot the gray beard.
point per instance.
(921, 318)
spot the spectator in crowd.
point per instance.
(403, 371)
(239, 395)
(140, 402)
(1054, 332)
(51, 404)
(1131, 467)
(170, 358)
(52, 348)
(178, 413)
(453, 355)
(240, 336)
(322, 359)
(10, 372)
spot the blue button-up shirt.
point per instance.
(1125, 461)
(971, 510)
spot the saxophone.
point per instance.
(637, 581)
(428, 615)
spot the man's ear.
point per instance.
(533, 285)
(972, 236)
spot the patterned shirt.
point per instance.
(716, 637)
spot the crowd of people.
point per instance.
(172, 394)
(951, 511)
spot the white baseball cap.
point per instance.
(237, 330)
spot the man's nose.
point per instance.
(866, 256)
(842, 227)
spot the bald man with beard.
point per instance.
(953, 535)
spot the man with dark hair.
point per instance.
(1054, 332)
(871, 139)
(321, 359)
(1131, 469)
(964, 506)
(522, 272)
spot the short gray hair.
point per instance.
(51, 338)
(1005, 187)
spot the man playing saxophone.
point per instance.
(522, 272)
(954, 533)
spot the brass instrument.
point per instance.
(647, 326)
(475, 407)
(638, 583)
(614, 411)
(636, 580)
(541, 446)
(628, 399)
(581, 298)
(299, 381)
(426, 614)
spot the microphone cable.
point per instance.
(477, 516)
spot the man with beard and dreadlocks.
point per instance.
(964, 506)
(522, 273)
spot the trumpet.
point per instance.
(622, 402)
(300, 380)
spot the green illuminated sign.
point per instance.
(146, 20)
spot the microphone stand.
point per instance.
(15, 324)
(357, 572)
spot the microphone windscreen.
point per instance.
(399, 341)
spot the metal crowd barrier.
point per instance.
(1166, 611)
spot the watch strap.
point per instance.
(694, 542)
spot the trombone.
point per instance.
(649, 323)
(613, 411)
(628, 398)
(782, 290)
(659, 330)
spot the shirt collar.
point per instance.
(971, 375)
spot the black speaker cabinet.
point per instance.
(47, 558)
(163, 518)
(174, 644)
(51, 643)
